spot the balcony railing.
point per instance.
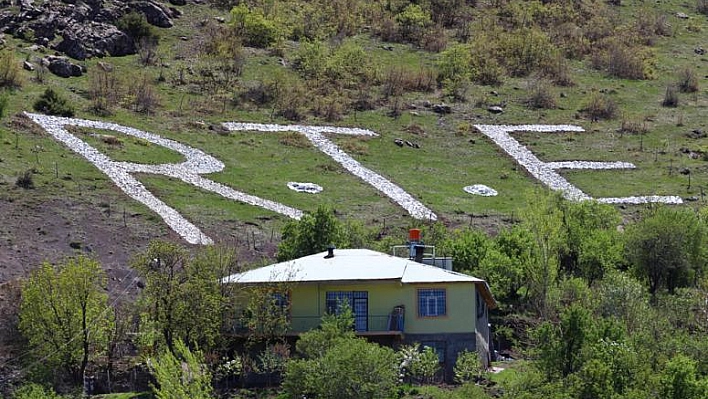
(390, 323)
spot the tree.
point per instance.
(543, 221)
(678, 381)
(181, 374)
(338, 365)
(666, 248)
(311, 234)
(64, 314)
(467, 247)
(183, 297)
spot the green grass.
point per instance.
(260, 164)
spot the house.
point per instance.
(395, 300)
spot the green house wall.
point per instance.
(308, 305)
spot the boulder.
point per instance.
(442, 108)
(61, 66)
(95, 39)
(28, 66)
(495, 109)
(154, 13)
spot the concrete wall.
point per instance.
(308, 301)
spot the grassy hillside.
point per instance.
(603, 67)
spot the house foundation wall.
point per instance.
(448, 344)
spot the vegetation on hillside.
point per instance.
(597, 301)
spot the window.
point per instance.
(431, 302)
(358, 302)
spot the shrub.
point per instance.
(104, 90)
(34, 391)
(135, 25)
(412, 22)
(51, 103)
(144, 98)
(468, 367)
(25, 180)
(540, 96)
(398, 80)
(671, 98)
(253, 27)
(10, 71)
(687, 81)
(600, 107)
(526, 50)
(181, 374)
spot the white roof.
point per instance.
(350, 265)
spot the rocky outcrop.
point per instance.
(61, 66)
(82, 28)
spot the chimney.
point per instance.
(330, 252)
(419, 249)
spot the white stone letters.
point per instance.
(198, 163)
(546, 171)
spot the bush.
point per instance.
(135, 25)
(253, 27)
(10, 71)
(600, 107)
(468, 367)
(25, 180)
(671, 98)
(540, 96)
(337, 365)
(687, 81)
(51, 103)
(182, 374)
(34, 391)
(412, 22)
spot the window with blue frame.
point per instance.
(358, 302)
(432, 302)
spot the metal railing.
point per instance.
(372, 323)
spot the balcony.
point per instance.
(372, 325)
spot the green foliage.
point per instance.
(467, 247)
(560, 347)
(314, 344)
(265, 316)
(180, 374)
(543, 221)
(468, 367)
(34, 391)
(679, 380)
(313, 233)
(336, 364)
(10, 71)
(64, 314)
(526, 50)
(253, 27)
(412, 21)
(135, 25)
(622, 297)
(183, 298)
(667, 248)
(51, 103)
(418, 365)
